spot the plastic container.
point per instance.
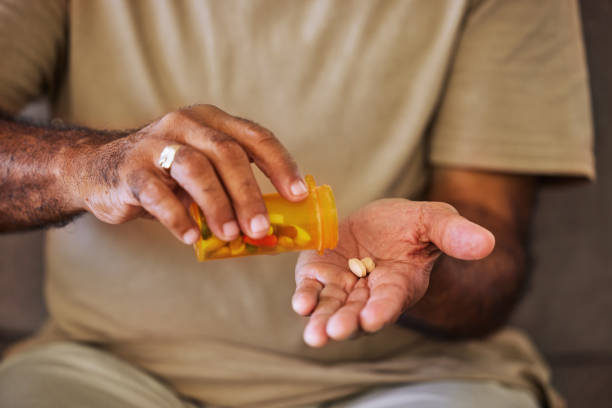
(309, 224)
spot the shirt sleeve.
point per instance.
(32, 47)
(517, 97)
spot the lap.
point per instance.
(442, 394)
(73, 375)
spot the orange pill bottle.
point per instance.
(309, 224)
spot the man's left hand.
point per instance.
(404, 238)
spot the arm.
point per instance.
(34, 164)
(474, 298)
(48, 175)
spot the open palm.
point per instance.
(404, 238)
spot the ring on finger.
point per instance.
(166, 158)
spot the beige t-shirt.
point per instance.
(354, 89)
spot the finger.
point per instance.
(330, 271)
(306, 295)
(159, 201)
(183, 196)
(345, 321)
(392, 290)
(195, 174)
(232, 165)
(264, 148)
(331, 298)
(453, 234)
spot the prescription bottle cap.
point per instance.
(327, 215)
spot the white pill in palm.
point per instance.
(368, 263)
(357, 267)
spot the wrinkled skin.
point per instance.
(53, 173)
(212, 168)
(404, 238)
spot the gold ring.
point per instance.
(167, 156)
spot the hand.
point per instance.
(404, 238)
(122, 179)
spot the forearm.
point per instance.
(471, 299)
(38, 165)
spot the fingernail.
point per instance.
(230, 229)
(259, 223)
(298, 188)
(191, 236)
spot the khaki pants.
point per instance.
(71, 375)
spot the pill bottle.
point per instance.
(308, 224)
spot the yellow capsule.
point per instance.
(237, 247)
(368, 263)
(285, 242)
(199, 250)
(271, 230)
(276, 218)
(221, 252)
(211, 244)
(302, 237)
(195, 214)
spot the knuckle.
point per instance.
(266, 136)
(247, 189)
(150, 193)
(207, 107)
(281, 163)
(176, 120)
(173, 220)
(257, 132)
(218, 200)
(172, 120)
(136, 181)
(218, 206)
(225, 146)
(249, 203)
(444, 207)
(432, 210)
(210, 189)
(208, 110)
(190, 163)
(334, 292)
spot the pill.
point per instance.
(237, 246)
(285, 242)
(302, 237)
(276, 218)
(368, 263)
(287, 230)
(221, 252)
(211, 244)
(357, 267)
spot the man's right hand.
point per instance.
(122, 179)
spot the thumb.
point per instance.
(453, 234)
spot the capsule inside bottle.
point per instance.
(309, 224)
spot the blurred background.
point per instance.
(568, 306)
